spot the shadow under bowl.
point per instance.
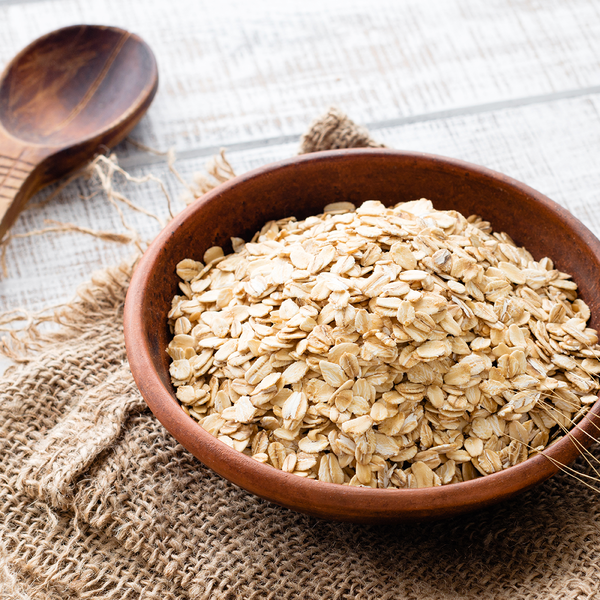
(302, 186)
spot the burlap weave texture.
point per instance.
(98, 501)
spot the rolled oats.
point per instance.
(382, 347)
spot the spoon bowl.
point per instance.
(63, 97)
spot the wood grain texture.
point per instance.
(17, 166)
(234, 71)
(14, 169)
(64, 97)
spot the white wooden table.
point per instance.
(510, 84)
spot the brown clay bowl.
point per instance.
(302, 186)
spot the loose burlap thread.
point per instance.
(99, 501)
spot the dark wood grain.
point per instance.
(302, 186)
(64, 97)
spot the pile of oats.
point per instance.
(383, 347)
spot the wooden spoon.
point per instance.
(62, 98)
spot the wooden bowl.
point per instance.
(302, 186)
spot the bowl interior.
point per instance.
(301, 187)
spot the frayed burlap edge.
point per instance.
(335, 130)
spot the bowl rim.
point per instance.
(358, 503)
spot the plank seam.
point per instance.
(140, 160)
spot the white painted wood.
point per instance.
(235, 70)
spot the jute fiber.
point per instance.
(99, 501)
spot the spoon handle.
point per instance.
(19, 178)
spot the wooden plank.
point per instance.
(234, 71)
(552, 148)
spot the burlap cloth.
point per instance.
(99, 501)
